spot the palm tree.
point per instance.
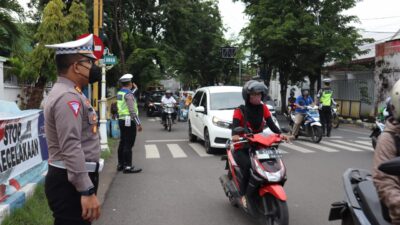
(9, 31)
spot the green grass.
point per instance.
(112, 144)
(35, 211)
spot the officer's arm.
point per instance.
(318, 97)
(130, 100)
(68, 114)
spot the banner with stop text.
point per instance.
(22, 144)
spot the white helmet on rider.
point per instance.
(253, 86)
(327, 81)
(395, 100)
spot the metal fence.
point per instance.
(355, 90)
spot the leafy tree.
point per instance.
(9, 31)
(57, 26)
(295, 38)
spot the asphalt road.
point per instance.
(179, 184)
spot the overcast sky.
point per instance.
(376, 16)
(373, 14)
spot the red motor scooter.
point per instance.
(265, 197)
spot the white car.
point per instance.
(211, 114)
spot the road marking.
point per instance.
(167, 140)
(319, 147)
(154, 119)
(341, 146)
(353, 131)
(296, 148)
(176, 151)
(152, 152)
(339, 137)
(354, 145)
(364, 138)
(367, 143)
(199, 149)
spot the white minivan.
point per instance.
(211, 113)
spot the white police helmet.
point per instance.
(126, 78)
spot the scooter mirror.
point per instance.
(391, 167)
(284, 130)
(238, 130)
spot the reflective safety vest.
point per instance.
(326, 97)
(123, 109)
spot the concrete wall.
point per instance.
(387, 68)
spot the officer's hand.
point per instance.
(235, 138)
(139, 128)
(90, 207)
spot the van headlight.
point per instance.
(221, 123)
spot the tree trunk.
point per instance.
(34, 95)
(118, 33)
(313, 79)
(284, 82)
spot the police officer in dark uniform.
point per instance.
(129, 122)
(72, 136)
(325, 101)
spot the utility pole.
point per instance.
(97, 24)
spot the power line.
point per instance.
(381, 18)
(379, 32)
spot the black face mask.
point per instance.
(94, 74)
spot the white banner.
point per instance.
(20, 145)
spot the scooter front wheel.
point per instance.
(169, 124)
(275, 211)
(316, 134)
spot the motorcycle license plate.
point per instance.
(268, 154)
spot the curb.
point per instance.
(17, 195)
(358, 122)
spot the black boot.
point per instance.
(129, 169)
(328, 132)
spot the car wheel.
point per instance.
(192, 137)
(207, 142)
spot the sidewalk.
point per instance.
(107, 176)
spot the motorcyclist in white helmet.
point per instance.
(388, 186)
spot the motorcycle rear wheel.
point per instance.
(335, 121)
(374, 140)
(275, 211)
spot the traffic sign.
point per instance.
(110, 60)
(98, 46)
(228, 52)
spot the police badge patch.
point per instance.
(75, 107)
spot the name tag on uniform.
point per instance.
(127, 121)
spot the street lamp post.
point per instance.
(103, 101)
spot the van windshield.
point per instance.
(225, 100)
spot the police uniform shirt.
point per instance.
(71, 131)
(322, 91)
(130, 102)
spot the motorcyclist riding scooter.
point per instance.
(166, 100)
(253, 117)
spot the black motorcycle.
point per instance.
(362, 205)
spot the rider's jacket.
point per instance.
(325, 96)
(388, 186)
(257, 117)
(302, 101)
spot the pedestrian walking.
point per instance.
(128, 123)
(72, 136)
(325, 101)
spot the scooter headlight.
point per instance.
(221, 123)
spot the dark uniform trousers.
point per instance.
(64, 200)
(127, 140)
(326, 119)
